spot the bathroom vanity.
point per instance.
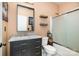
(25, 45)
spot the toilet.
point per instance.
(50, 50)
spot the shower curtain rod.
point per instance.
(67, 12)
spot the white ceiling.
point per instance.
(64, 2)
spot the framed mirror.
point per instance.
(25, 18)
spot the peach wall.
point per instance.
(11, 19)
(48, 9)
(67, 6)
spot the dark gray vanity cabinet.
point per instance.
(31, 47)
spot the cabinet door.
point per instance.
(37, 51)
(20, 48)
(36, 42)
(36, 47)
(30, 47)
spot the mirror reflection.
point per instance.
(25, 18)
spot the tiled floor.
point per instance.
(62, 51)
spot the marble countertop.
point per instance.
(17, 38)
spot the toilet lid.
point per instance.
(49, 47)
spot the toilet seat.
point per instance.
(50, 49)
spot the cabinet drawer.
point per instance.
(36, 42)
(37, 50)
(20, 51)
(36, 47)
(37, 53)
(20, 43)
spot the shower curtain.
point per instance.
(65, 30)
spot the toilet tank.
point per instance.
(44, 41)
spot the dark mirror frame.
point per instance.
(29, 17)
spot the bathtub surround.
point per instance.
(62, 51)
(65, 29)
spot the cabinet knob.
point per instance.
(37, 47)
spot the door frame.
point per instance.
(1, 28)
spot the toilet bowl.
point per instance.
(50, 50)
